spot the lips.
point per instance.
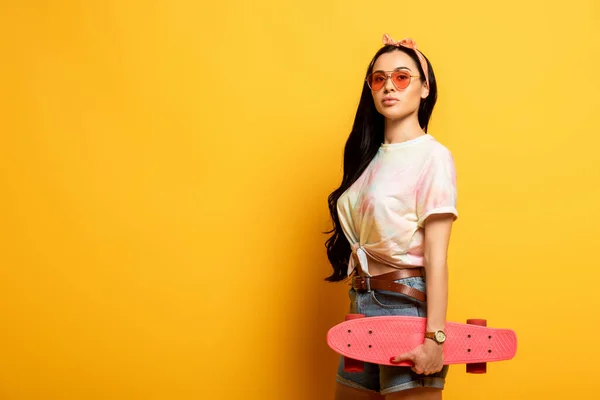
(389, 101)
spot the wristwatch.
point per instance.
(438, 336)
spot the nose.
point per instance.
(388, 85)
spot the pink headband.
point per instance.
(411, 44)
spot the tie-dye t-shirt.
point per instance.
(383, 213)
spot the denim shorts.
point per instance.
(383, 378)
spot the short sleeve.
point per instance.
(436, 187)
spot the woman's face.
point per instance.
(394, 103)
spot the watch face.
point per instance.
(440, 336)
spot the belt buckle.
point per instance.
(365, 283)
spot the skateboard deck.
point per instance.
(376, 339)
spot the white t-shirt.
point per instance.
(383, 213)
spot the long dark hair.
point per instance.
(365, 138)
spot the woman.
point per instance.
(392, 216)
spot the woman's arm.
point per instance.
(428, 358)
(437, 238)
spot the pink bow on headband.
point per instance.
(411, 44)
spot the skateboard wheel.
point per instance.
(480, 322)
(477, 368)
(352, 365)
(354, 316)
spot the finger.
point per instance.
(403, 357)
(417, 370)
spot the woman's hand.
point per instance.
(428, 358)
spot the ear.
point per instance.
(424, 91)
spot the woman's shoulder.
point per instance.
(438, 156)
(435, 148)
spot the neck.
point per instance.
(400, 130)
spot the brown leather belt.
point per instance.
(386, 282)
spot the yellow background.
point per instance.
(165, 167)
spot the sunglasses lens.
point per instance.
(376, 80)
(401, 79)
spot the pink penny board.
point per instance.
(376, 339)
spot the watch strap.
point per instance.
(432, 338)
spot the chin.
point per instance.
(393, 114)
(396, 112)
